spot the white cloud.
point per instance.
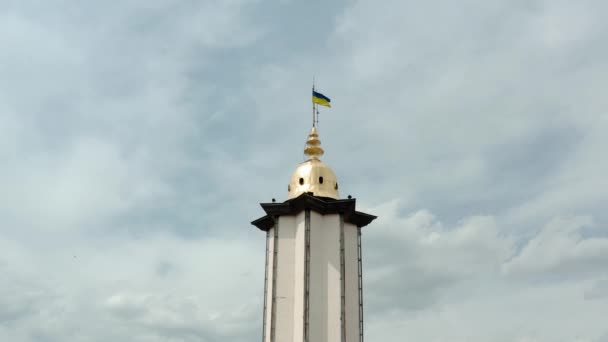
(598, 290)
(429, 282)
(120, 284)
(125, 125)
(560, 249)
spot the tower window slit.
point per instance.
(320, 180)
(301, 181)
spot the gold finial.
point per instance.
(312, 175)
(313, 145)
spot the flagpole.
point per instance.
(313, 103)
(313, 112)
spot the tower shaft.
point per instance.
(313, 289)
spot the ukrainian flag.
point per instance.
(321, 99)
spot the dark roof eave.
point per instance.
(318, 204)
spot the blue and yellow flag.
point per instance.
(321, 99)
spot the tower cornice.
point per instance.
(321, 205)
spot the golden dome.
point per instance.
(313, 175)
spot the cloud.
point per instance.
(179, 318)
(118, 283)
(418, 258)
(560, 249)
(598, 290)
(471, 282)
(137, 138)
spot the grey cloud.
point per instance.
(115, 84)
(20, 298)
(178, 318)
(414, 261)
(138, 137)
(598, 290)
(603, 338)
(421, 272)
(559, 250)
(165, 268)
(117, 282)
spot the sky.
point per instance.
(137, 139)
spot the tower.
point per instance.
(313, 285)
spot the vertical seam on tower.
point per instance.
(306, 275)
(265, 317)
(359, 257)
(342, 281)
(273, 314)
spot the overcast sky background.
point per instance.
(138, 137)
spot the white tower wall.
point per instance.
(324, 314)
(268, 283)
(352, 284)
(299, 279)
(312, 282)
